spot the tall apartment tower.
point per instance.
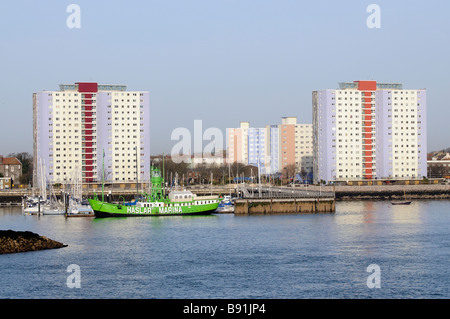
(273, 149)
(257, 148)
(237, 149)
(369, 130)
(250, 146)
(84, 124)
(295, 145)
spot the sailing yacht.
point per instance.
(76, 206)
(405, 202)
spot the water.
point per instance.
(237, 257)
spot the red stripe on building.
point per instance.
(367, 87)
(87, 88)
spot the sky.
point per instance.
(220, 61)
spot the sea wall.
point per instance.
(22, 241)
(284, 206)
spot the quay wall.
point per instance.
(284, 206)
(356, 192)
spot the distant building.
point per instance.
(82, 124)
(237, 148)
(369, 130)
(10, 167)
(207, 159)
(257, 149)
(296, 147)
(274, 148)
(287, 143)
(439, 166)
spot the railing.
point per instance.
(282, 192)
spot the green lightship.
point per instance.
(178, 202)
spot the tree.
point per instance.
(290, 171)
(172, 169)
(303, 174)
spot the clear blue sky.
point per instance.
(220, 61)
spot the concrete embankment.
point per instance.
(22, 241)
(284, 206)
(341, 193)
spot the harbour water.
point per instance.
(237, 257)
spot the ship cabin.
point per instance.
(181, 196)
(151, 204)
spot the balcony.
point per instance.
(89, 151)
(88, 132)
(89, 145)
(87, 156)
(87, 126)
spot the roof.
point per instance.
(9, 161)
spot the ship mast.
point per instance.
(103, 176)
(164, 180)
(137, 175)
(156, 181)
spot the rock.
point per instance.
(22, 241)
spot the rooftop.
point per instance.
(355, 85)
(9, 161)
(100, 87)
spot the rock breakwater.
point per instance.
(392, 192)
(22, 241)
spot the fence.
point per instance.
(282, 192)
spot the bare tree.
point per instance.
(289, 171)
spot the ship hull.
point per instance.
(100, 214)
